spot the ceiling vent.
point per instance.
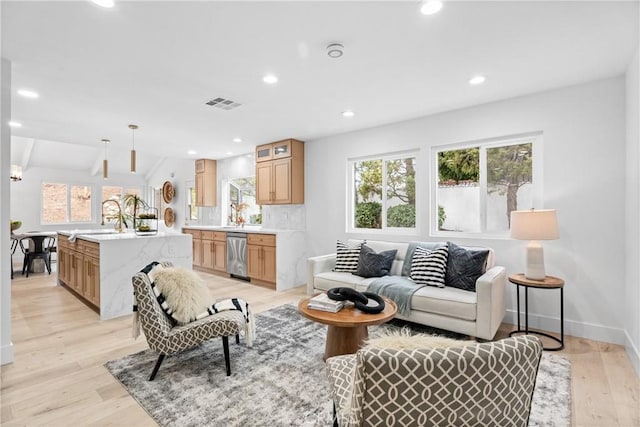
(224, 104)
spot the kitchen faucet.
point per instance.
(118, 224)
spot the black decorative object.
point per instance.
(360, 299)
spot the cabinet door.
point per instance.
(281, 149)
(264, 152)
(63, 265)
(197, 252)
(269, 263)
(254, 261)
(207, 254)
(91, 286)
(200, 189)
(281, 181)
(263, 183)
(76, 281)
(220, 255)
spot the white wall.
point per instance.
(584, 153)
(632, 220)
(6, 346)
(26, 195)
(178, 172)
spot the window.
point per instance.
(192, 209)
(383, 193)
(242, 194)
(110, 211)
(65, 203)
(477, 186)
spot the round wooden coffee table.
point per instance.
(346, 329)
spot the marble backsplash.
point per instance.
(284, 217)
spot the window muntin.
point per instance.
(66, 203)
(383, 193)
(476, 186)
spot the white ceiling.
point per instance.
(156, 63)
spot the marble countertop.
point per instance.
(102, 235)
(245, 229)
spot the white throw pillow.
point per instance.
(184, 292)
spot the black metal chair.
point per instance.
(39, 248)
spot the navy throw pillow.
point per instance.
(372, 264)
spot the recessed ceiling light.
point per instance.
(28, 93)
(335, 50)
(103, 3)
(237, 139)
(15, 124)
(229, 153)
(192, 152)
(270, 79)
(431, 7)
(477, 80)
(348, 113)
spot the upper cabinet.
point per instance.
(206, 182)
(280, 173)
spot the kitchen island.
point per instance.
(97, 265)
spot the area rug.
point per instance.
(281, 380)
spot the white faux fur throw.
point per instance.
(185, 293)
(403, 340)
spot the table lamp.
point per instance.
(534, 225)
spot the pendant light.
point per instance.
(105, 162)
(133, 147)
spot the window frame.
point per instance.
(350, 194)
(69, 185)
(536, 140)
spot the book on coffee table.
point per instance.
(324, 303)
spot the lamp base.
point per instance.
(535, 262)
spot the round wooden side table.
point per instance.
(549, 282)
(347, 329)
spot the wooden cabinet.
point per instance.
(79, 268)
(261, 258)
(220, 251)
(209, 249)
(206, 182)
(280, 173)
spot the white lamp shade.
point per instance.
(534, 225)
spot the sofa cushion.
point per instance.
(451, 302)
(347, 257)
(465, 266)
(372, 264)
(381, 245)
(334, 279)
(428, 267)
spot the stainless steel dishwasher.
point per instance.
(237, 254)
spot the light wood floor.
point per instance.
(60, 345)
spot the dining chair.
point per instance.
(38, 248)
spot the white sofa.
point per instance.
(478, 314)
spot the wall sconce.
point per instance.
(16, 173)
(105, 162)
(133, 147)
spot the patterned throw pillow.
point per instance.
(347, 257)
(429, 267)
(465, 266)
(372, 264)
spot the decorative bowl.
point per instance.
(15, 225)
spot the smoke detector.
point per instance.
(335, 50)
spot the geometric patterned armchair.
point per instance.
(167, 339)
(487, 384)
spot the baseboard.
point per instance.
(632, 352)
(571, 327)
(6, 354)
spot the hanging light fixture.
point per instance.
(133, 147)
(105, 162)
(16, 173)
